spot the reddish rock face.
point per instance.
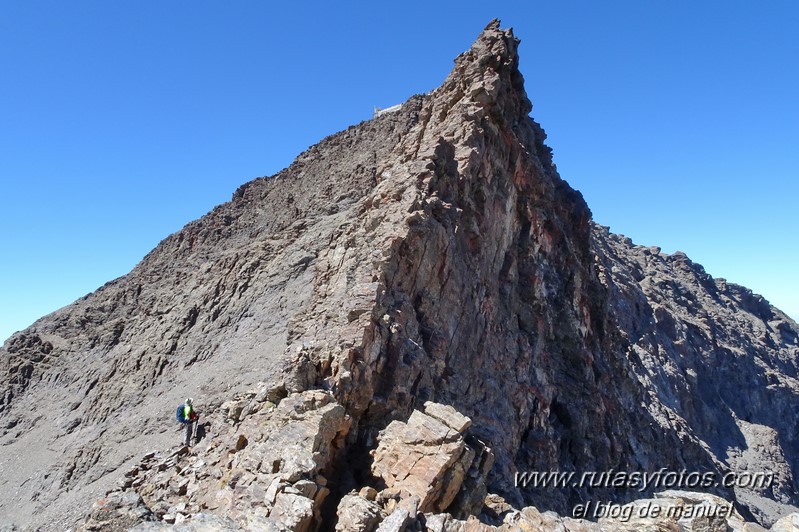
(431, 254)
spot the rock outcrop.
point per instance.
(238, 478)
(714, 358)
(265, 469)
(428, 458)
(433, 315)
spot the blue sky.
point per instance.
(122, 121)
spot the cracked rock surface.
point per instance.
(423, 280)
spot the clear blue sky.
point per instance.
(122, 121)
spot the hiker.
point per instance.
(188, 416)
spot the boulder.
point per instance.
(425, 458)
(789, 523)
(117, 512)
(293, 511)
(356, 513)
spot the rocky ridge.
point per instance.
(262, 466)
(715, 357)
(427, 264)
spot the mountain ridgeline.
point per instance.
(422, 287)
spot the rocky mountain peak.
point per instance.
(488, 73)
(388, 333)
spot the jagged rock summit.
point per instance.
(421, 285)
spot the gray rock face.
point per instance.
(264, 471)
(429, 259)
(713, 358)
(211, 311)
